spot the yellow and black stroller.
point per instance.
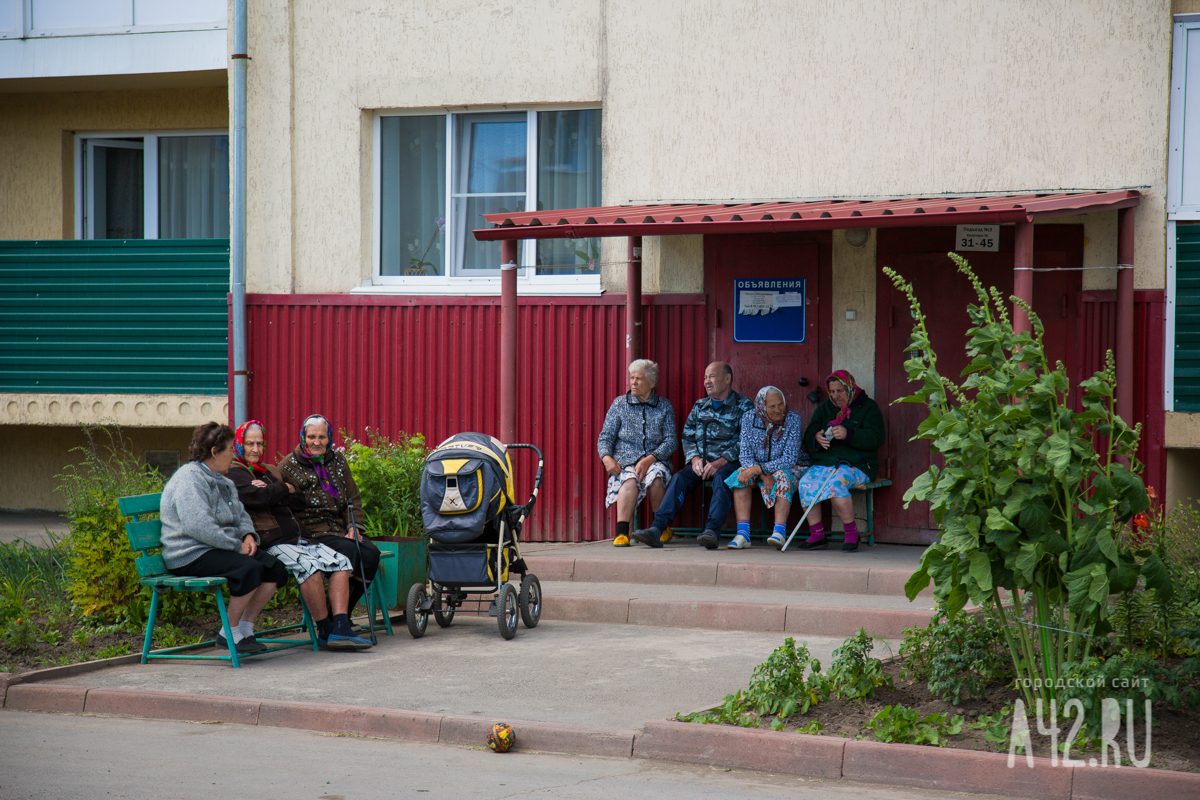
(474, 524)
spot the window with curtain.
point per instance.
(440, 173)
(193, 187)
(154, 186)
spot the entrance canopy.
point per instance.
(807, 215)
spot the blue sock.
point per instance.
(744, 529)
(779, 530)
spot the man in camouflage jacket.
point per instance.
(711, 439)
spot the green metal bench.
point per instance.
(145, 535)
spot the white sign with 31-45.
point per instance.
(977, 237)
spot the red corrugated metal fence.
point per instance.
(430, 365)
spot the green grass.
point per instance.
(42, 569)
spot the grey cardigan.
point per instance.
(200, 511)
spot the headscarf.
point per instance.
(760, 408)
(239, 449)
(851, 390)
(326, 479)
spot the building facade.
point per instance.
(379, 134)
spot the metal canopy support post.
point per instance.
(1124, 354)
(508, 340)
(633, 301)
(1023, 274)
(237, 239)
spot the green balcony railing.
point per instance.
(114, 317)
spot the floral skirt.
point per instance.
(844, 478)
(784, 488)
(657, 471)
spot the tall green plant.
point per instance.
(1026, 500)
(388, 475)
(102, 579)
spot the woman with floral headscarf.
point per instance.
(272, 504)
(332, 510)
(844, 436)
(772, 459)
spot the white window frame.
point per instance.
(1176, 210)
(84, 200)
(528, 281)
(127, 25)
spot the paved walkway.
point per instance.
(35, 527)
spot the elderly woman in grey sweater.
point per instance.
(206, 533)
(635, 446)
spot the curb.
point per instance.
(722, 746)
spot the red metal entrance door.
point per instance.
(920, 256)
(761, 267)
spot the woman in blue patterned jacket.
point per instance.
(771, 458)
(635, 446)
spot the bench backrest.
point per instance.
(144, 534)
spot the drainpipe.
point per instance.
(1023, 275)
(237, 241)
(1124, 352)
(508, 340)
(633, 301)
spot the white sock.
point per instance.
(246, 628)
(237, 633)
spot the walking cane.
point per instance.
(804, 516)
(362, 572)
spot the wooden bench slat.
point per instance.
(151, 566)
(139, 504)
(145, 534)
(182, 582)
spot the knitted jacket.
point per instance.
(864, 435)
(713, 433)
(272, 508)
(200, 511)
(774, 455)
(634, 429)
(322, 514)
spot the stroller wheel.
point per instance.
(507, 605)
(414, 615)
(443, 614)
(530, 600)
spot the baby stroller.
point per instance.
(474, 524)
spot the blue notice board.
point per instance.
(768, 309)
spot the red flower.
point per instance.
(1141, 521)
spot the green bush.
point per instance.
(101, 576)
(388, 475)
(959, 657)
(853, 673)
(906, 725)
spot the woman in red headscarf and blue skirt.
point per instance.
(844, 437)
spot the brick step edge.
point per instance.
(715, 745)
(888, 623)
(887, 581)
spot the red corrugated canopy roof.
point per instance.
(807, 215)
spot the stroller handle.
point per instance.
(537, 481)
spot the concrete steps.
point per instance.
(826, 593)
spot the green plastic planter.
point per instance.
(411, 565)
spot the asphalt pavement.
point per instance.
(65, 757)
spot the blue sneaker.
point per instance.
(740, 542)
(777, 541)
(351, 642)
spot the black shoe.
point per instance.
(709, 539)
(648, 536)
(819, 544)
(849, 547)
(250, 645)
(221, 643)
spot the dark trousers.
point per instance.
(684, 483)
(369, 561)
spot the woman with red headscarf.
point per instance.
(844, 435)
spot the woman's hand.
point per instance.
(611, 466)
(821, 440)
(768, 481)
(257, 483)
(643, 466)
(291, 489)
(353, 533)
(249, 546)
(839, 432)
